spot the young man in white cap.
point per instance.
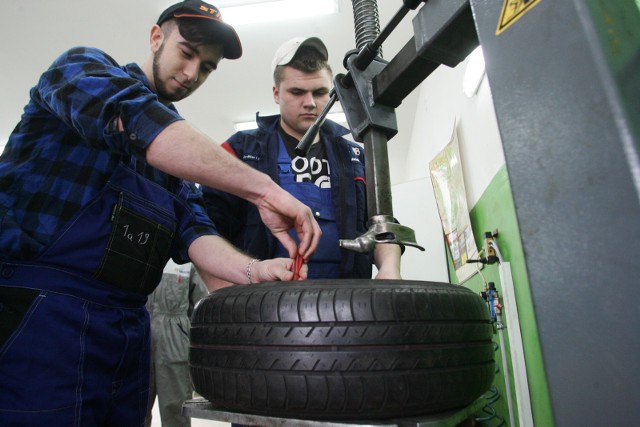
(95, 197)
(330, 179)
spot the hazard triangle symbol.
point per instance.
(512, 11)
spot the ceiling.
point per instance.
(34, 32)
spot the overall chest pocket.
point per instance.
(139, 246)
(321, 205)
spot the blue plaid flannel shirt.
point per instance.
(65, 147)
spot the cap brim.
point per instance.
(225, 32)
(230, 39)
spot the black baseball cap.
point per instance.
(197, 9)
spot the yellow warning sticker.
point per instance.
(512, 11)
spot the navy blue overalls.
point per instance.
(325, 262)
(74, 332)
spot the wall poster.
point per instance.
(451, 197)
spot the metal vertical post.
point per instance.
(379, 200)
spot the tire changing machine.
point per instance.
(565, 83)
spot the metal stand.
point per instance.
(565, 84)
(369, 92)
(202, 408)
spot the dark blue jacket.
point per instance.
(239, 221)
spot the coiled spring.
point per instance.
(366, 22)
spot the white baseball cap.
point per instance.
(287, 51)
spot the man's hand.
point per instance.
(277, 269)
(221, 264)
(280, 211)
(271, 270)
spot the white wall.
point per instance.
(441, 103)
(415, 207)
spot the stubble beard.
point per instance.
(161, 87)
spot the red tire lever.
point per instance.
(296, 267)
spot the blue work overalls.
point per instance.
(325, 262)
(74, 334)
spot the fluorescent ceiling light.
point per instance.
(245, 125)
(242, 12)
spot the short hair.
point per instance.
(307, 59)
(192, 30)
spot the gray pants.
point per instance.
(170, 308)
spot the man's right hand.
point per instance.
(280, 211)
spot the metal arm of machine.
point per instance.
(444, 33)
(373, 124)
(364, 58)
(383, 229)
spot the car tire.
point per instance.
(342, 349)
